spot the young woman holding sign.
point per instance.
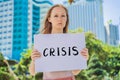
(56, 22)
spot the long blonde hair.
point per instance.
(47, 26)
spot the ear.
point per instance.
(49, 19)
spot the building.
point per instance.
(88, 15)
(112, 34)
(20, 28)
(13, 27)
(37, 12)
(19, 21)
(6, 27)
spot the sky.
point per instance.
(111, 11)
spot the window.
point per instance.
(4, 48)
(5, 20)
(1, 16)
(5, 31)
(10, 9)
(10, 14)
(9, 31)
(19, 30)
(6, 4)
(5, 15)
(9, 25)
(4, 37)
(19, 36)
(19, 42)
(5, 26)
(1, 10)
(9, 36)
(10, 20)
(9, 48)
(14, 48)
(20, 25)
(6, 10)
(1, 21)
(19, 48)
(1, 5)
(9, 42)
(10, 3)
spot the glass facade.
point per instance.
(35, 20)
(19, 21)
(6, 27)
(20, 28)
(88, 15)
(112, 34)
(37, 12)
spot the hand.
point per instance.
(84, 53)
(35, 54)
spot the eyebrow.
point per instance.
(57, 13)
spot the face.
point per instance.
(58, 18)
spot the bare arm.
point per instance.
(35, 54)
(85, 54)
(32, 68)
(76, 72)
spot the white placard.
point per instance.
(59, 52)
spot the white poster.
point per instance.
(59, 52)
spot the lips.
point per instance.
(59, 23)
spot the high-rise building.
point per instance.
(19, 21)
(13, 27)
(88, 15)
(20, 28)
(112, 34)
(37, 12)
(6, 27)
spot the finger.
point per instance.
(84, 52)
(85, 49)
(35, 51)
(35, 56)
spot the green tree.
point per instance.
(104, 59)
(6, 73)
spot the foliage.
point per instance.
(103, 63)
(70, 1)
(5, 76)
(104, 59)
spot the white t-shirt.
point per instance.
(57, 74)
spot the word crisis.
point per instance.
(60, 51)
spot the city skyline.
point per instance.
(110, 11)
(108, 7)
(17, 22)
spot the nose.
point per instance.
(59, 18)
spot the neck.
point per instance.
(57, 31)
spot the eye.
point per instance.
(56, 16)
(63, 15)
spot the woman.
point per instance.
(56, 22)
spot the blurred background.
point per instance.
(99, 19)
